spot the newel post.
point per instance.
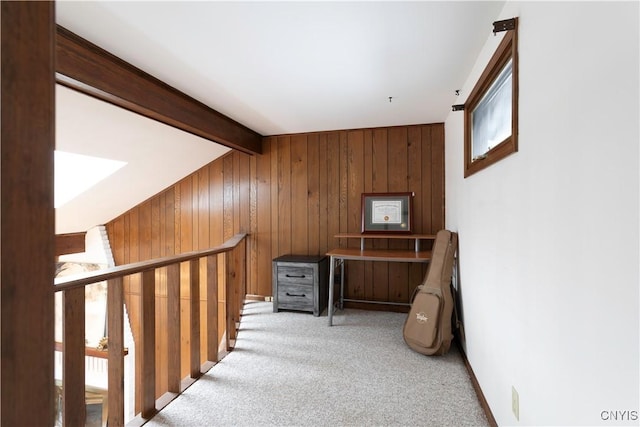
(115, 331)
(27, 223)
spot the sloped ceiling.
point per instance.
(276, 67)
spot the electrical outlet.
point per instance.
(515, 403)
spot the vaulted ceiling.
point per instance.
(275, 67)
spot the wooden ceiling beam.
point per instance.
(89, 69)
(71, 243)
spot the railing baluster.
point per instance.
(173, 327)
(73, 376)
(148, 340)
(212, 308)
(241, 285)
(194, 284)
(115, 346)
(229, 304)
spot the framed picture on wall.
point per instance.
(387, 213)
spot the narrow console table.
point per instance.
(339, 255)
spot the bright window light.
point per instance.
(76, 173)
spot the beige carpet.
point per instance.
(291, 369)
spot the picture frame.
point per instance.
(390, 213)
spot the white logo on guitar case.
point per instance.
(421, 317)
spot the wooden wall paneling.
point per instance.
(195, 232)
(284, 196)
(414, 179)
(177, 220)
(427, 192)
(161, 222)
(169, 226)
(202, 214)
(228, 201)
(274, 150)
(324, 236)
(355, 187)
(252, 285)
(134, 247)
(186, 245)
(414, 174)
(437, 178)
(367, 172)
(243, 203)
(157, 240)
(134, 295)
(157, 245)
(115, 230)
(158, 232)
(202, 211)
(333, 189)
(343, 158)
(380, 184)
(168, 231)
(126, 250)
(313, 191)
(299, 196)
(216, 203)
(145, 252)
(398, 152)
(235, 206)
(27, 219)
(259, 283)
(228, 221)
(216, 232)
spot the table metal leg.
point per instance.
(341, 284)
(331, 283)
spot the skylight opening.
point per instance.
(76, 173)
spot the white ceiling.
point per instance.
(276, 67)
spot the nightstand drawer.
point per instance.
(293, 274)
(295, 297)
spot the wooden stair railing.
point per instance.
(73, 346)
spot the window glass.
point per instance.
(491, 119)
(491, 110)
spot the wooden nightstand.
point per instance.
(300, 283)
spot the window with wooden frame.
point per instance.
(491, 111)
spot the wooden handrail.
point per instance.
(74, 351)
(83, 279)
(91, 351)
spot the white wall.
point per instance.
(549, 237)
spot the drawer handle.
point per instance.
(297, 277)
(296, 295)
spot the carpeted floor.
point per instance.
(292, 369)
